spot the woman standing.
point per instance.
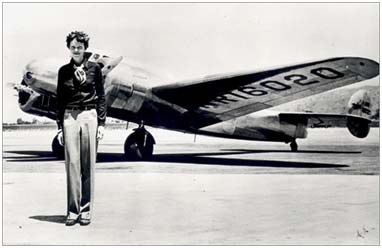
(81, 115)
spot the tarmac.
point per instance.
(199, 191)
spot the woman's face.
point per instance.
(77, 50)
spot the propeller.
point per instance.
(16, 86)
(11, 85)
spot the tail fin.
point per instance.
(359, 105)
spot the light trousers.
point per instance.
(80, 131)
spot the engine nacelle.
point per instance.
(34, 103)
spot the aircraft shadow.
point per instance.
(299, 151)
(50, 218)
(189, 158)
(204, 159)
(196, 158)
(33, 156)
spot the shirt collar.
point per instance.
(85, 63)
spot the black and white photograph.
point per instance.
(190, 123)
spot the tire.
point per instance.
(293, 146)
(134, 148)
(57, 149)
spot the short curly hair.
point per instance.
(79, 36)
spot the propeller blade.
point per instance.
(11, 85)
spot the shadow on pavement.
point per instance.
(50, 218)
(196, 158)
(28, 155)
(299, 151)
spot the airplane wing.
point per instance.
(219, 98)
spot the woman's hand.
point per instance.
(100, 132)
(60, 137)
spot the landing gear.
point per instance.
(293, 146)
(57, 149)
(139, 145)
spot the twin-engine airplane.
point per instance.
(227, 105)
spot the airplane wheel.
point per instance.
(139, 145)
(57, 149)
(293, 146)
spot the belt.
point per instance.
(84, 107)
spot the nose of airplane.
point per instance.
(30, 71)
(41, 75)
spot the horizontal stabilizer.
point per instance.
(358, 126)
(320, 120)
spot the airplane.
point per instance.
(231, 105)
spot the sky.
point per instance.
(188, 40)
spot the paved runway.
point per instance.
(204, 192)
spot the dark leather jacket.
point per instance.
(70, 92)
